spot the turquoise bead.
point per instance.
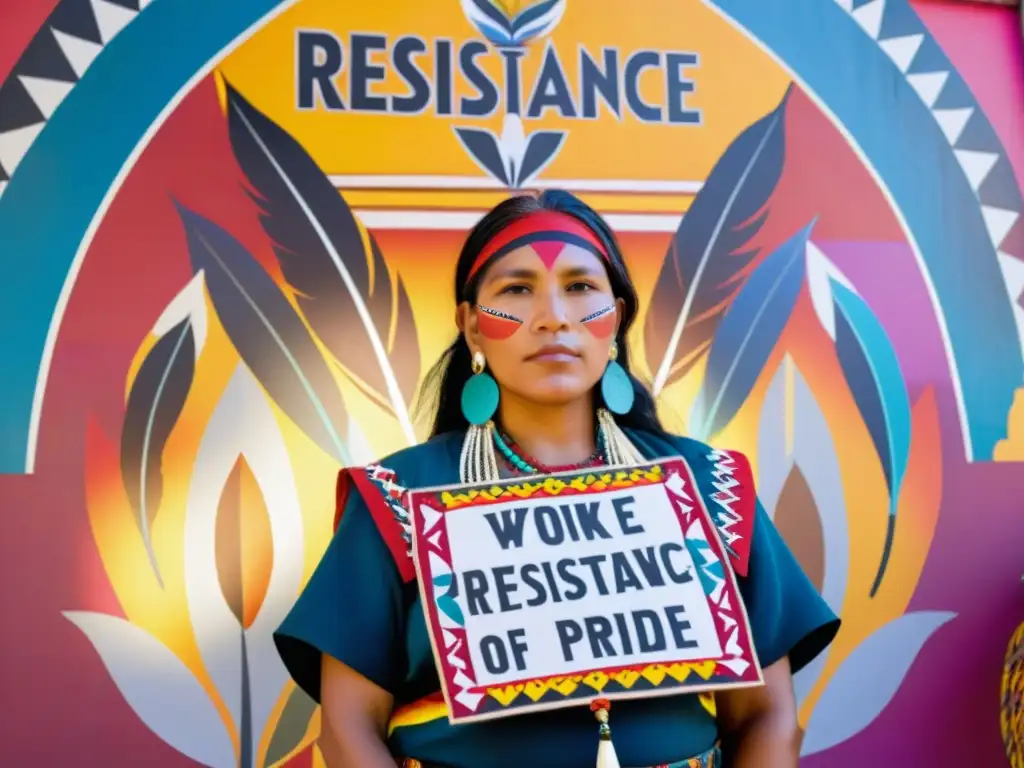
(479, 398)
(617, 389)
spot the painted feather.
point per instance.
(342, 283)
(873, 373)
(705, 263)
(747, 335)
(155, 401)
(268, 334)
(800, 484)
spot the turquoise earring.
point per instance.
(616, 386)
(479, 394)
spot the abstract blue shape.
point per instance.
(868, 679)
(876, 382)
(47, 214)
(747, 335)
(450, 608)
(958, 259)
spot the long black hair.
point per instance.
(444, 382)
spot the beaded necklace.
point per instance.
(517, 458)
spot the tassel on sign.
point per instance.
(606, 757)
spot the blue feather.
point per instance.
(707, 257)
(747, 335)
(873, 373)
(268, 333)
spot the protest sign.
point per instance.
(542, 592)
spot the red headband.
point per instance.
(542, 226)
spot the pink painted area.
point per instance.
(985, 44)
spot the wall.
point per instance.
(177, 402)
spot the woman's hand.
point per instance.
(353, 718)
(759, 725)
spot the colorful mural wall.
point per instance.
(228, 231)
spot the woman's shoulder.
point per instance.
(699, 455)
(429, 459)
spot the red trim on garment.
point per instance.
(745, 508)
(384, 518)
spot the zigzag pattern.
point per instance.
(901, 34)
(384, 480)
(52, 64)
(725, 483)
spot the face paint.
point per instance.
(601, 323)
(495, 324)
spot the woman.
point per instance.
(544, 305)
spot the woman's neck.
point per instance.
(552, 435)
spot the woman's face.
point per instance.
(544, 325)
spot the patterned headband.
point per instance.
(547, 231)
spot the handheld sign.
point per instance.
(542, 592)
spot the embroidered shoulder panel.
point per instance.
(733, 504)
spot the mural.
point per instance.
(232, 268)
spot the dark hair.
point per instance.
(445, 380)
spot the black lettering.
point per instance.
(627, 644)
(592, 561)
(363, 73)
(621, 506)
(551, 90)
(569, 632)
(574, 580)
(476, 591)
(678, 626)
(510, 530)
(635, 65)
(570, 524)
(647, 561)
(526, 574)
(590, 524)
(650, 637)
(625, 576)
(599, 632)
(419, 88)
(549, 574)
(504, 588)
(493, 652)
(549, 526)
(595, 81)
(320, 58)
(513, 88)
(678, 577)
(443, 77)
(487, 99)
(677, 86)
(517, 642)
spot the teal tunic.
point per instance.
(358, 609)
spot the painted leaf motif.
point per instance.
(259, 487)
(268, 334)
(747, 335)
(794, 437)
(245, 551)
(707, 258)
(342, 283)
(873, 373)
(868, 678)
(155, 402)
(291, 727)
(797, 519)
(159, 688)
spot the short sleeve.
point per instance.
(787, 615)
(351, 609)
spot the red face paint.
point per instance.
(601, 323)
(549, 251)
(495, 324)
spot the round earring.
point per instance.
(616, 386)
(479, 393)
